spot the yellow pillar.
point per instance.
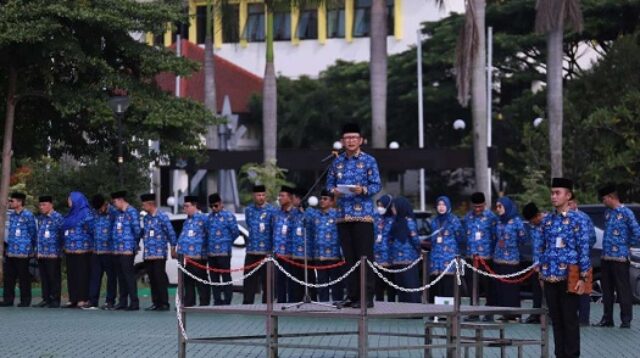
(397, 19)
(243, 12)
(217, 25)
(295, 18)
(149, 39)
(167, 35)
(322, 23)
(193, 34)
(348, 19)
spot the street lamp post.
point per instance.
(119, 105)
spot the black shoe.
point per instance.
(133, 308)
(107, 306)
(54, 304)
(345, 303)
(6, 304)
(41, 304)
(533, 319)
(70, 305)
(357, 304)
(152, 308)
(604, 323)
(625, 325)
(487, 319)
(24, 304)
(163, 308)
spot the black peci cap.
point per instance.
(478, 198)
(45, 199)
(326, 192)
(18, 195)
(287, 189)
(214, 198)
(606, 190)
(191, 199)
(562, 183)
(122, 194)
(351, 128)
(259, 189)
(148, 197)
(530, 211)
(97, 201)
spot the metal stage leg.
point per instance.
(362, 321)
(272, 321)
(425, 276)
(544, 333)
(182, 344)
(455, 320)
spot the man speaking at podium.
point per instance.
(354, 179)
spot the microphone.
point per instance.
(334, 154)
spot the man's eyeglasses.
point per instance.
(351, 137)
(325, 198)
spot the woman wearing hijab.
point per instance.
(405, 248)
(77, 227)
(382, 227)
(447, 236)
(510, 232)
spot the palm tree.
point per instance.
(209, 64)
(471, 82)
(378, 72)
(551, 16)
(269, 95)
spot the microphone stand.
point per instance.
(306, 299)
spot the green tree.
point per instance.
(69, 56)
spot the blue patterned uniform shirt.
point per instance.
(102, 240)
(621, 230)
(297, 236)
(259, 220)
(404, 251)
(283, 224)
(192, 242)
(564, 242)
(445, 243)
(79, 239)
(156, 235)
(359, 169)
(21, 239)
(480, 233)
(509, 237)
(223, 230)
(126, 231)
(381, 244)
(535, 235)
(591, 229)
(323, 231)
(50, 238)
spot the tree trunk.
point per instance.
(6, 156)
(209, 65)
(269, 98)
(554, 97)
(479, 105)
(378, 73)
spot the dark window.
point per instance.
(335, 21)
(201, 24)
(281, 25)
(390, 18)
(158, 40)
(254, 29)
(362, 18)
(230, 24)
(308, 24)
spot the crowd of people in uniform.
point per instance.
(102, 238)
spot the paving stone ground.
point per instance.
(44, 332)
